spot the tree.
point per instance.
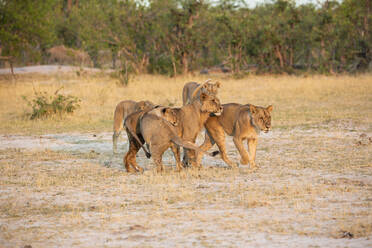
(27, 27)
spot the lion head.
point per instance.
(211, 88)
(144, 106)
(261, 117)
(210, 103)
(207, 88)
(170, 115)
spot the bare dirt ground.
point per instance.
(68, 190)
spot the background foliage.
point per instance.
(178, 36)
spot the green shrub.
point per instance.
(45, 106)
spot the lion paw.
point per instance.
(233, 165)
(254, 166)
(244, 161)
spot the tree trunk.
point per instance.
(279, 55)
(172, 50)
(69, 5)
(291, 56)
(366, 16)
(185, 63)
(114, 57)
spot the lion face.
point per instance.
(211, 88)
(210, 104)
(261, 117)
(144, 105)
(170, 115)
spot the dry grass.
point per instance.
(313, 187)
(297, 100)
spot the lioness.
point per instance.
(135, 141)
(243, 122)
(122, 110)
(191, 119)
(191, 87)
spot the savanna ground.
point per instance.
(60, 185)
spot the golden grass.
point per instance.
(314, 179)
(296, 100)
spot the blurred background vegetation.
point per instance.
(173, 37)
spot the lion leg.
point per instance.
(185, 159)
(207, 144)
(217, 135)
(176, 153)
(219, 138)
(115, 137)
(243, 153)
(252, 146)
(191, 158)
(133, 161)
(129, 160)
(118, 126)
(126, 162)
(157, 154)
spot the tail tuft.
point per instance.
(148, 155)
(215, 153)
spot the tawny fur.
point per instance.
(243, 122)
(163, 138)
(189, 89)
(122, 110)
(136, 140)
(191, 119)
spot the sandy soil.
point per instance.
(313, 189)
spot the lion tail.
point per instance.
(148, 154)
(187, 144)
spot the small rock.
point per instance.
(348, 235)
(136, 228)
(363, 135)
(202, 186)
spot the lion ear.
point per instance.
(252, 109)
(270, 108)
(218, 84)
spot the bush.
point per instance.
(45, 106)
(124, 75)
